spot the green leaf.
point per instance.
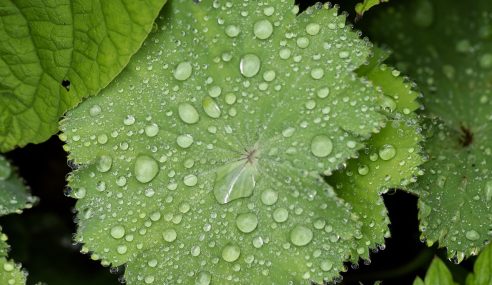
(201, 161)
(418, 281)
(363, 7)
(482, 269)
(446, 47)
(437, 274)
(13, 199)
(391, 158)
(54, 53)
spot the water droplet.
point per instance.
(247, 222)
(129, 120)
(190, 180)
(280, 215)
(231, 253)
(203, 278)
(472, 235)
(234, 180)
(343, 54)
(269, 75)
(387, 152)
(117, 232)
(183, 71)
(269, 197)
(323, 92)
(188, 113)
(145, 168)
(210, 107)
(301, 235)
(195, 250)
(321, 146)
(152, 130)
(149, 279)
(285, 53)
(263, 29)
(184, 141)
(287, 133)
(104, 164)
(313, 29)
(232, 31)
(326, 265)
(169, 235)
(95, 110)
(303, 42)
(317, 73)
(250, 65)
(488, 191)
(230, 98)
(363, 170)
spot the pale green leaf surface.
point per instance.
(391, 158)
(446, 47)
(54, 53)
(482, 269)
(201, 161)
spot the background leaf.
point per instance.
(446, 47)
(54, 53)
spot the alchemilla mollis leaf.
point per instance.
(54, 53)
(450, 57)
(201, 163)
(14, 198)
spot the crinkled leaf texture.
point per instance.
(13, 199)
(201, 162)
(446, 47)
(54, 53)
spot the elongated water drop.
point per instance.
(183, 71)
(188, 113)
(250, 65)
(145, 168)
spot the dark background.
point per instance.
(41, 237)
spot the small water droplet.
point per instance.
(280, 215)
(269, 197)
(169, 235)
(188, 113)
(190, 180)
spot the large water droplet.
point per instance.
(203, 278)
(232, 31)
(183, 71)
(301, 235)
(210, 107)
(280, 215)
(472, 235)
(188, 113)
(250, 65)
(184, 141)
(104, 164)
(387, 152)
(247, 222)
(231, 253)
(263, 29)
(313, 29)
(117, 232)
(269, 197)
(169, 235)
(321, 146)
(145, 168)
(234, 180)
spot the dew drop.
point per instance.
(231, 253)
(210, 107)
(313, 29)
(184, 141)
(247, 222)
(363, 170)
(169, 235)
(117, 232)
(280, 215)
(269, 197)
(472, 235)
(317, 73)
(263, 29)
(303, 42)
(203, 278)
(250, 65)
(301, 235)
(188, 113)
(321, 146)
(183, 71)
(145, 168)
(323, 92)
(104, 164)
(232, 31)
(152, 130)
(387, 152)
(95, 110)
(190, 180)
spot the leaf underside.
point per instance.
(13, 199)
(201, 161)
(54, 53)
(446, 47)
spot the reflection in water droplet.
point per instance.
(105, 163)
(232, 31)
(250, 65)
(184, 141)
(169, 235)
(234, 180)
(145, 168)
(472, 235)
(280, 215)
(203, 278)
(269, 197)
(387, 152)
(313, 29)
(117, 232)
(210, 107)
